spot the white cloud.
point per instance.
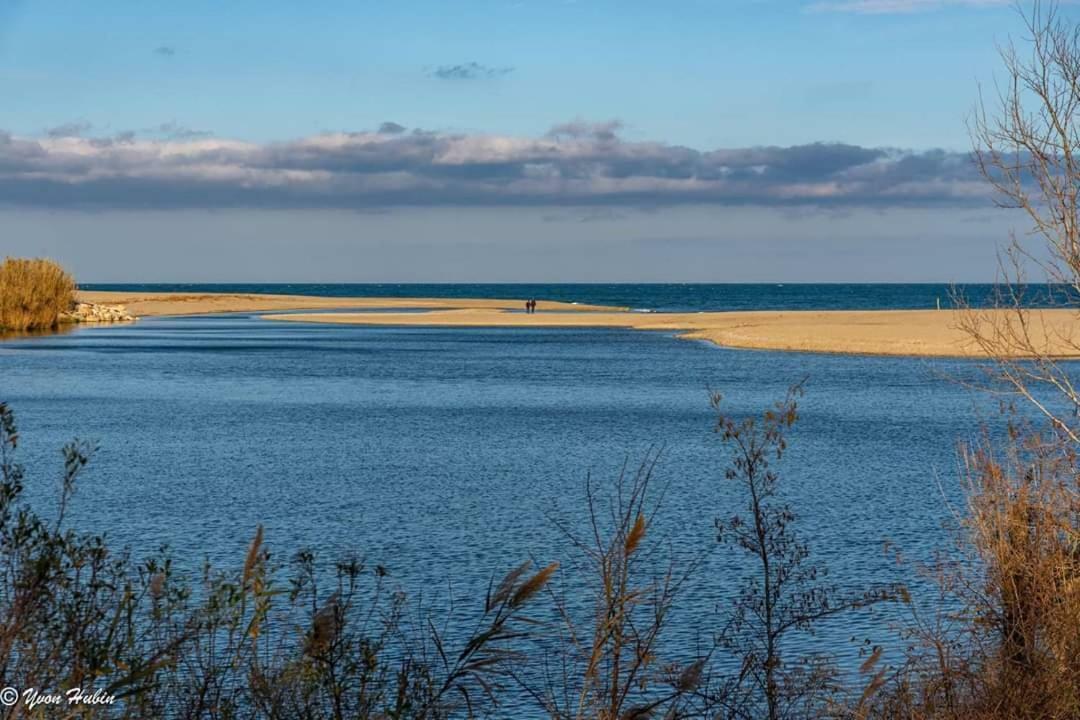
(577, 163)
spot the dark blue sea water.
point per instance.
(660, 297)
(446, 454)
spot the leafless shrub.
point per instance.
(786, 593)
(1025, 145)
(1006, 646)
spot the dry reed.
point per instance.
(33, 293)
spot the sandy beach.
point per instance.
(148, 304)
(918, 333)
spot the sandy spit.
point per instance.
(918, 333)
(147, 304)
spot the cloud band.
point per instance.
(575, 164)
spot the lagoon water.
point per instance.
(446, 454)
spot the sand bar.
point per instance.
(921, 333)
(147, 304)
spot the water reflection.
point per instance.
(62, 329)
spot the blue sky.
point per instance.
(731, 114)
(704, 73)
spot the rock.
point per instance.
(95, 313)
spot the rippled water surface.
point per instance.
(445, 453)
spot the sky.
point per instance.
(499, 140)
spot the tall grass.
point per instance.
(33, 293)
(1009, 646)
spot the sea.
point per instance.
(673, 297)
(451, 455)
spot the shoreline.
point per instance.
(157, 304)
(891, 333)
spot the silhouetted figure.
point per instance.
(528, 306)
(532, 306)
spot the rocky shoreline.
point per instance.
(84, 312)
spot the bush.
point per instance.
(33, 293)
(1005, 639)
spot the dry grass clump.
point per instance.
(1024, 517)
(1011, 647)
(33, 293)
